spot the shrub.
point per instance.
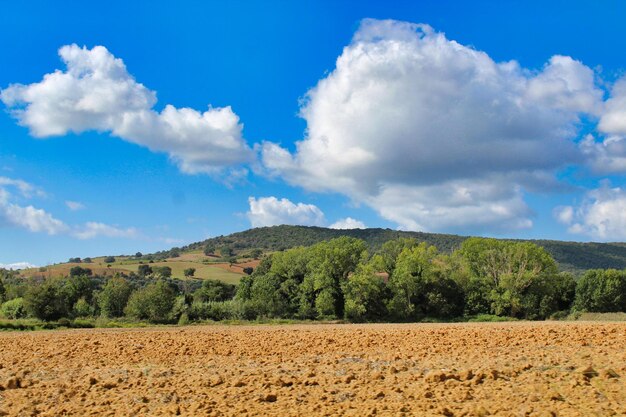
(153, 302)
(64, 322)
(13, 309)
(211, 310)
(78, 271)
(144, 270)
(162, 271)
(109, 260)
(183, 320)
(45, 301)
(214, 290)
(82, 308)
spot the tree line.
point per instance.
(404, 280)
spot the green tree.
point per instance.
(601, 291)
(3, 290)
(209, 249)
(82, 308)
(390, 251)
(267, 298)
(154, 302)
(330, 264)
(109, 259)
(514, 271)
(189, 272)
(74, 288)
(226, 251)
(413, 269)
(365, 295)
(46, 301)
(214, 290)
(114, 296)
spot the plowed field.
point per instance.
(512, 369)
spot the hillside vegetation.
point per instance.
(571, 256)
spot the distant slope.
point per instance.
(571, 256)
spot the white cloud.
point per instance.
(601, 216)
(608, 154)
(270, 211)
(613, 120)
(409, 119)
(40, 221)
(94, 229)
(96, 92)
(567, 84)
(74, 205)
(564, 214)
(458, 206)
(348, 223)
(26, 189)
(18, 265)
(26, 217)
(32, 219)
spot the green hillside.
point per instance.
(571, 256)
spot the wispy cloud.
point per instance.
(74, 205)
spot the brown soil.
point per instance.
(238, 267)
(512, 369)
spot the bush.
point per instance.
(64, 322)
(162, 271)
(109, 260)
(214, 290)
(13, 309)
(223, 310)
(82, 308)
(153, 302)
(183, 320)
(46, 301)
(144, 270)
(78, 271)
(211, 310)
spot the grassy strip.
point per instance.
(123, 323)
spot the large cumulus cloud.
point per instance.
(434, 134)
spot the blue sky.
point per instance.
(498, 119)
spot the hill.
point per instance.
(571, 256)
